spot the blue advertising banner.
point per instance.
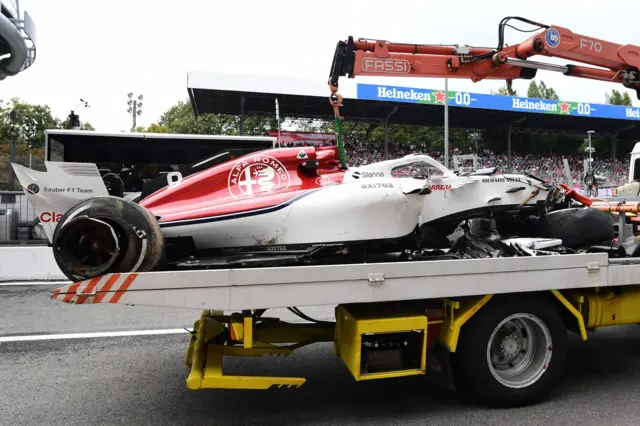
(495, 102)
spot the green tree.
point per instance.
(256, 125)
(370, 136)
(547, 92)
(31, 122)
(157, 128)
(617, 98)
(180, 119)
(541, 91)
(153, 128)
(533, 91)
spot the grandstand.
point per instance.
(494, 115)
(546, 167)
(549, 168)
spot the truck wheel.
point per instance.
(106, 235)
(511, 353)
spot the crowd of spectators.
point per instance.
(551, 167)
(548, 167)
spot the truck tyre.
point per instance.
(511, 353)
(577, 227)
(105, 235)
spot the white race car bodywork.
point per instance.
(335, 213)
(58, 189)
(384, 200)
(452, 195)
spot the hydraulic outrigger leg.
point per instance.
(216, 335)
(375, 341)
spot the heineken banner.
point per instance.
(496, 102)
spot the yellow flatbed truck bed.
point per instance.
(496, 327)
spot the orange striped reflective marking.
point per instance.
(125, 285)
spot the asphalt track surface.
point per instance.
(136, 380)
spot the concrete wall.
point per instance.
(28, 264)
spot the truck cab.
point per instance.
(632, 187)
(634, 164)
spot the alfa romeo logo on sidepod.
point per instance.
(257, 175)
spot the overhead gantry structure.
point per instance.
(17, 39)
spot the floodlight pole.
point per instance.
(135, 109)
(133, 115)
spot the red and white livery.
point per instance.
(287, 201)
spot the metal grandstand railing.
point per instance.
(19, 223)
(18, 220)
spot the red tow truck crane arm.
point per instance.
(618, 63)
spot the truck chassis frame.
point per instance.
(393, 319)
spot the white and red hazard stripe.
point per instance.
(104, 289)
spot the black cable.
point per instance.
(505, 23)
(300, 314)
(523, 31)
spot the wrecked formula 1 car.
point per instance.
(479, 238)
(286, 206)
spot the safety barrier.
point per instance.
(24, 263)
(24, 254)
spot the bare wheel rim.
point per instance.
(519, 350)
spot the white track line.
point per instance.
(27, 283)
(31, 338)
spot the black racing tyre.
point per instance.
(576, 227)
(512, 352)
(107, 235)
